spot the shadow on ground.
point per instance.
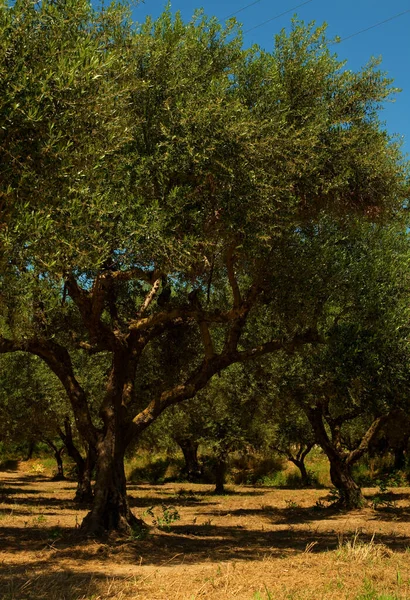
(42, 555)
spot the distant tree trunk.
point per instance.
(84, 493)
(220, 469)
(299, 461)
(399, 458)
(30, 450)
(60, 469)
(58, 452)
(304, 475)
(341, 461)
(189, 449)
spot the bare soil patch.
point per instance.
(251, 544)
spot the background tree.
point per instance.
(289, 433)
(30, 405)
(172, 172)
(360, 374)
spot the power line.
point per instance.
(243, 8)
(371, 27)
(278, 16)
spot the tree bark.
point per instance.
(350, 493)
(110, 510)
(190, 451)
(30, 450)
(84, 493)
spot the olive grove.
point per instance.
(158, 184)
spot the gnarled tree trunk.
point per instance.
(350, 493)
(189, 449)
(304, 475)
(341, 461)
(299, 461)
(110, 510)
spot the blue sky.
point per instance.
(390, 40)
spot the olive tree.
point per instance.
(358, 379)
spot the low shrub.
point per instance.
(252, 468)
(154, 470)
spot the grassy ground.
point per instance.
(252, 544)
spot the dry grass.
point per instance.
(358, 550)
(253, 544)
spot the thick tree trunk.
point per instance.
(190, 451)
(110, 510)
(341, 462)
(350, 493)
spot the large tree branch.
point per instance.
(59, 361)
(149, 297)
(230, 261)
(186, 313)
(91, 305)
(235, 331)
(367, 439)
(207, 369)
(206, 340)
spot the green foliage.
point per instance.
(255, 469)
(146, 468)
(164, 519)
(139, 533)
(266, 595)
(370, 593)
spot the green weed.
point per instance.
(169, 514)
(265, 596)
(370, 593)
(40, 520)
(55, 533)
(139, 533)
